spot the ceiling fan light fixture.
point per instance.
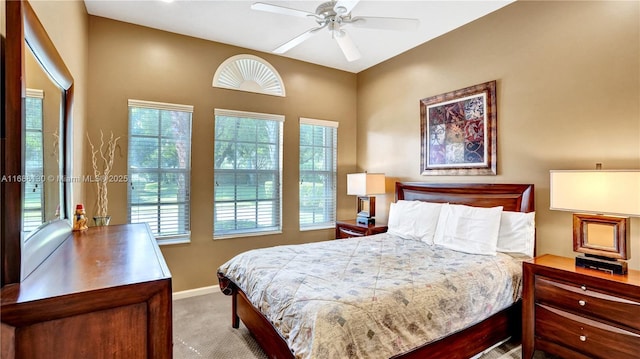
(344, 7)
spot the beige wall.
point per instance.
(133, 62)
(66, 23)
(568, 94)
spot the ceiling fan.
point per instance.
(335, 15)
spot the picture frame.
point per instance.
(458, 132)
(366, 210)
(602, 236)
(366, 206)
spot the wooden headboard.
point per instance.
(513, 197)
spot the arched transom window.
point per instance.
(249, 73)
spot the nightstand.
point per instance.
(349, 228)
(576, 312)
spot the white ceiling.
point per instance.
(234, 23)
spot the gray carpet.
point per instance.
(202, 329)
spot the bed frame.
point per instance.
(462, 344)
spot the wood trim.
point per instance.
(528, 307)
(17, 314)
(12, 142)
(513, 197)
(160, 339)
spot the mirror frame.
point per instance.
(24, 28)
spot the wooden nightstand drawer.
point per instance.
(577, 312)
(349, 233)
(583, 335)
(583, 300)
(349, 229)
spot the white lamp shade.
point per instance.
(598, 191)
(363, 184)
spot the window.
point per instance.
(160, 168)
(318, 153)
(247, 173)
(249, 73)
(33, 200)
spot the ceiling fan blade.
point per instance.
(297, 40)
(347, 45)
(280, 9)
(343, 7)
(385, 23)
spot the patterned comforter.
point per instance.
(372, 297)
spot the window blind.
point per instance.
(159, 169)
(318, 163)
(33, 197)
(247, 173)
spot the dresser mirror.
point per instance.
(42, 133)
(36, 155)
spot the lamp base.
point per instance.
(365, 221)
(605, 265)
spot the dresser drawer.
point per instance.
(587, 302)
(583, 335)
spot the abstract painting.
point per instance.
(458, 132)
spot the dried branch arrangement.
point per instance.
(102, 160)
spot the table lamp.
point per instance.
(604, 200)
(365, 185)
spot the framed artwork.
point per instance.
(603, 236)
(458, 132)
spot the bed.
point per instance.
(341, 295)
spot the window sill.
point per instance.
(315, 228)
(171, 241)
(251, 234)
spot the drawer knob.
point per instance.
(583, 338)
(584, 287)
(582, 303)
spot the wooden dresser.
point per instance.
(349, 228)
(104, 293)
(575, 312)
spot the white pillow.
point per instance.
(415, 220)
(517, 233)
(469, 229)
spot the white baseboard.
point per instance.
(196, 292)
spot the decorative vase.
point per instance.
(102, 220)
